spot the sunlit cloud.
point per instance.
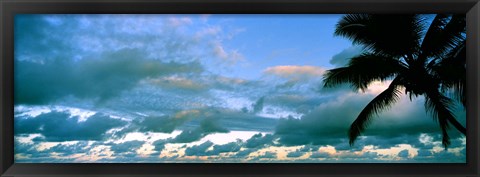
(293, 72)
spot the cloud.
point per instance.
(444, 156)
(211, 125)
(85, 49)
(207, 126)
(164, 124)
(60, 126)
(198, 123)
(259, 140)
(159, 124)
(155, 79)
(27, 148)
(329, 122)
(128, 147)
(245, 152)
(176, 83)
(238, 150)
(188, 136)
(295, 154)
(82, 36)
(229, 57)
(258, 106)
(268, 155)
(302, 151)
(54, 153)
(295, 73)
(159, 145)
(199, 150)
(320, 155)
(229, 147)
(69, 149)
(101, 78)
(341, 59)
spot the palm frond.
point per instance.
(364, 69)
(440, 108)
(380, 103)
(394, 35)
(445, 33)
(452, 72)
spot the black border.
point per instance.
(8, 8)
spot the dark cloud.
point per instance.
(128, 147)
(70, 149)
(345, 146)
(328, 123)
(259, 140)
(45, 156)
(207, 126)
(199, 150)
(188, 136)
(27, 148)
(204, 121)
(93, 64)
(322, 125)
(60, 126)
(159, 145)
(320, 155)
(239, 121)
(33, 41)
(443, 156)
(229, 147)
(301, 103)
(245, 152)
(211, 125)
(295, 154)
(258, 106)
(99, 78)
(164, 124)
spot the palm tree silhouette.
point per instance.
(423, 60)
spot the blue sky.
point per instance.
(202, 88)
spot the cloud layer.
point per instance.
(146, 88)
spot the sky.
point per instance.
(203, 89)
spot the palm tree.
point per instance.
(421, 59)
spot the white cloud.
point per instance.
(229, 57)
(232, 136)
(147, 137)
(377, 87)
